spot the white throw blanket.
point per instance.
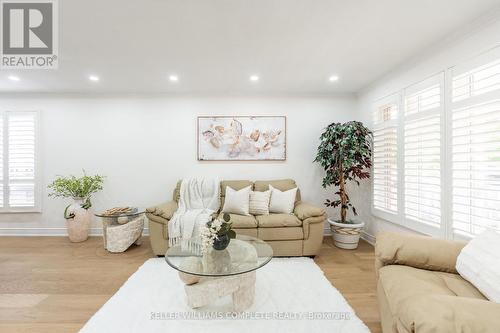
(199, 199)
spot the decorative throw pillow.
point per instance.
(479, 263)
(259, 202)
(237, 202)
(282, 202)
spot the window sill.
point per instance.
(21, 211)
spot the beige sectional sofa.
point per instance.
(297, 234)
(419, 290)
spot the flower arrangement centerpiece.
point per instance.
(217, 233)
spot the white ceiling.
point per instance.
(215, 45)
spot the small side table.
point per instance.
(120, 231)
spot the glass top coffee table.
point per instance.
(216, 274)
(121, 227)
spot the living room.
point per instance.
(189, 166)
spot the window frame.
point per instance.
(424, 228)
(37, 208)
(445, 229)
(394, 98)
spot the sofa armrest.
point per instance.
(304, 210)
(165, 210)
(446, 313)
(416, 251)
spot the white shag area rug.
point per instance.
(291, 295)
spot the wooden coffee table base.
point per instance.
(209, 289)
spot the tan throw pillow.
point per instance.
(282, 202)
(259, 202)
(237, 202)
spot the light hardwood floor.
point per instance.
(48, 284)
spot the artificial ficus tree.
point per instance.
(345, 153)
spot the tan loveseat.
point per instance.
(420, 291)
(297, 234)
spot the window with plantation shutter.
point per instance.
(475, 144)
(20, 190)
(422, 151)
(385, 160)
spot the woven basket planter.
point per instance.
(346, 236)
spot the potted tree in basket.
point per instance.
(77, 214)
(345, 154)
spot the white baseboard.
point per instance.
(368, 237)
(49, 232)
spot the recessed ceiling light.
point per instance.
(14, 78)
(173, 78)
(333, 78)
(254, 78)
(94, 78)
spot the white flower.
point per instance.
(209, 234)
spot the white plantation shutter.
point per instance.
(475, 150)
(385, 159)
(422, 151)
(19, 164)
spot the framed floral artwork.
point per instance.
(242, 138)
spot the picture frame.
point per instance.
(241, 138)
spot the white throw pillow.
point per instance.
(479, 263)
(259, 202)
(237, 202)
(282, 202)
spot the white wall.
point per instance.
(144, 144)
(462, 46)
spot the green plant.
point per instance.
(345, 154)
(226, 227)
(222, 227)
(76, 187)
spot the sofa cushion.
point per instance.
(479, 263)
(417, 251)
(278, 220)
(448, 314)
(401, 283)
(431, 301)
(246, 231)
(280, 184)
(235, 185)
(259, 202)
(282, 202)
(242, 221)
(237, 201)
(177, 191)
(286, 233)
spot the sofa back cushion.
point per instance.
(260, 185)
(177, 191)
(280, 184)
(234, 184)
(417, 251)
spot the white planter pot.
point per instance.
(346, 236)
(79, 226)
